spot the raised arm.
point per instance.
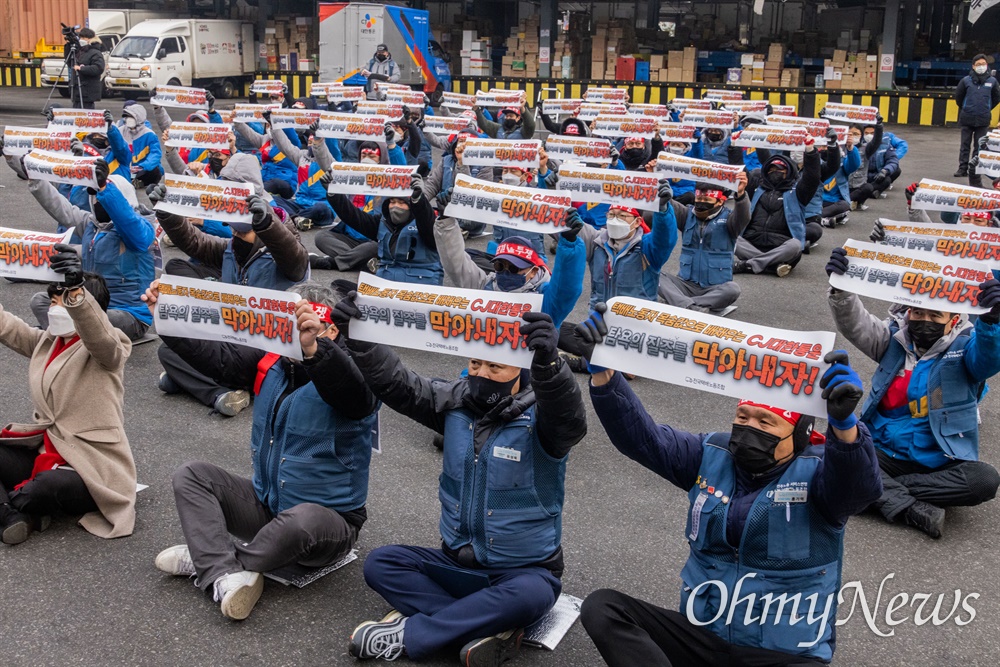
(109, 346)
(865, 331)
(289, 256)
(458, 266)
(17, 335)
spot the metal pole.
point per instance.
(548, 15)
(889, 23)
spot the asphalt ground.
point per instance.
(68, 598)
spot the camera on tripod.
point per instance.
(70, 34)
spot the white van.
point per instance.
(219, 55)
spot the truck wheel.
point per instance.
(174, 82)
(225, 90)
(63, 92)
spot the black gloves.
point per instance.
(76, 147)
(405, 120)
(983, 140)
(210, 98)
(878, 233)
(989, 297)
(822, 113)
(831, 137)
(881, 180)
(261, 213)
(417, 182)
(838, 262)
(66, 261)
(101, 173)
(345, 311)
(878, 119)
(326, 180)
(390, 134)
(842, 390)
(910, 189)
(157, 194)
(314, 127)
(592, 330)
(108, 118)
(614, 156)
(266, 115)
(49, 116)
(551, 179)
(574, 225)
(1, 145)
(543, 337)
(665, 192)
(443, 198)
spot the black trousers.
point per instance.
(151, 177)
(280, 188)
(956, 484)
(343, 252)
(629, 632)
(182, 267)
(970, 141)
(52, 491)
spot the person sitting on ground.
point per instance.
(774, 240)
(515, 123)
(922, 410)
(75, 457)
(863, 189)
(708, 235)
(836, 191)
(771, 497)
(311, 447)
(519, 425)
(265, 252)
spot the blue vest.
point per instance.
(814, 209)
(303, 451)
(953, 398)
(790, 547)
(795, 213)
(311, 191)
(838, 182)
(126, 272)
(276, 165)
(259, 271)
(507, 501)
(707, 259)
(413, 261)
(625, 275)
(447, 172)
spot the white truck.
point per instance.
(110, 25)
(218, 55)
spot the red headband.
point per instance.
(789, 416)
(322, 311)
(526, 253)
(633, 211)
(715, 194)
(985, 215)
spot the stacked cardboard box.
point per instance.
(476, 57)
(521, 59)
(675, 67)
(611, 40)
(851, 71)
(774, 64)
(752, 69)
(288, 43)
(451, 35)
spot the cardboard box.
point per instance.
(675, 75)
(597, 70)
(675, 59)
(657, 62)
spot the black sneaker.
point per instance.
(379, 639)
(491, 651)
(926, 517)
(15, 527)
(961, 173)
(438, 442)
(319, 262)
(741, 266)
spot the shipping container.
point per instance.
(24, 22)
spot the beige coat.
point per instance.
(78, 400)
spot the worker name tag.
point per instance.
(699, 503)
(507, 454)
(790, 495)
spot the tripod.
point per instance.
(72, 78)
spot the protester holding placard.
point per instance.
(774, 240)
(75, 457)
(114, 150)
(519, 425)
(308, 208)
(751, 158)
(544, 178)
(715, 144)
(117, 244)
(923, 410)
(836, 189)
(519, 266)
(708, 232)
(440, 183)
(637, 152)
(515, 123)
(311, 446)
(863, 189)
(263, 253)
(143, 144)
(404, 232)
(178, 159)
(770, 496)
(684, 188)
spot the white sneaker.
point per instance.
(231, 403)
(176, 561)
(237, 593)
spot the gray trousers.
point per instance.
(344, 253)
(675, 291)
(120, 319)
(214, 505)
(788, 252)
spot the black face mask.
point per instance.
(215, 165)
(925, 333)
(508, 281)
(100, 143)
(509, 123)
(241, 249)
(714, 136)
(100, 214)
(775, 177)
(633, 156)
(753, 449)
(487, 393)
(704, 210)
(381, 57)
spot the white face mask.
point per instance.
(60, 323)
(130, 122)
(979, 69)
(618, 229)
(797, 156)
(369, 160)
(511, 179)
(677, 150)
